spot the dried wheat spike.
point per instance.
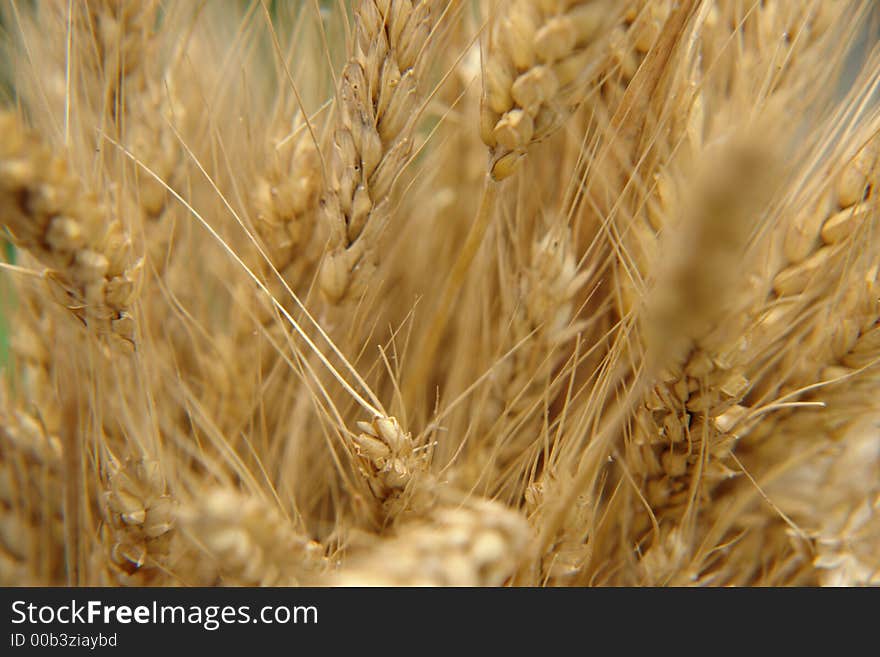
(685, 309)
(831, 497)
(101, 48)
(692, 325)
(139, 517)
(31, 516)
(817, 238)
(543, 320)
(116, 34)
(50, 213)
(379, 100)
(824, 243)
(540, 57)
(163, 117)
(845, 511)
(853, 325)
(848, 557)
(253, 543)
(549, 286)
(389, 461)
(693, 419)
(564, 559)
(544, 311)
(285, 198)
(478, 542)
(149, 137)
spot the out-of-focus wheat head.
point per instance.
(429, 292)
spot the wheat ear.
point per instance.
(379, 99)
(285, 198)
(543, 297)
(139, 515)
(116, 36)
(49, 212)
(475, 542)
(539, 62)
(540, 57)
(31, 507)
(697, 399)
(251, 540)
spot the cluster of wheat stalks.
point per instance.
(529, 292)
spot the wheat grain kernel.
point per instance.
(844, 223)
(796, 278)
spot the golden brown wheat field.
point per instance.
(440, 292)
